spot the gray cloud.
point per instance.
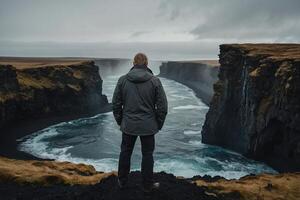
(139, 33)
(117, 24)
(243, 20)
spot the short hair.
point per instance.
(140, 59)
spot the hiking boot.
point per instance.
(121, 184)
(151, 187)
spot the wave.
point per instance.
(179, 150)
(191, 132)
(191, 107)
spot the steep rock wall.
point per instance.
(199, 76)
(31, 92)
(255, 109)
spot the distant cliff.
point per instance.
(57, 88)
(255, 109)
(113, 66)
(198, 75)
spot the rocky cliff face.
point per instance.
(255, 109)
(198, 75)
(59, 89)
(109, 66)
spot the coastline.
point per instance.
(16, 130)
(255, 107)
(38, 92)
(199, 76)
(173, 187)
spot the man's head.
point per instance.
(140, 59)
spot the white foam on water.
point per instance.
(103, 165)
(183, 163)
(195, 142)
(35, 145)
(189, 169)
(198, 166)
(112, 77)
(190, 107)
(176, 167)
(191, 132)
(181, 97)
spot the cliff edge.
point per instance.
(33, 179)
(255, 109)
(198, 75)
(32, 88)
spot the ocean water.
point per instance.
(96, 140)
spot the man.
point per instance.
(140, 108)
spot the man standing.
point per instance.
(140, 108)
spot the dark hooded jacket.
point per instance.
(139, 102)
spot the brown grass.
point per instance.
(264, 187)
(26, 80)
(272, 51)
(23, 62)
(49, 172)
(7, 96)
(212, 63)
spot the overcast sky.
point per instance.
(164, 29)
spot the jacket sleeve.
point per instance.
(117, 103)
(161, 105)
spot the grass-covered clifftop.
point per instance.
(33, 179)
(38, 87)
(255, 109)
(45, 173)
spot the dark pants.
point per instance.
(127, 146)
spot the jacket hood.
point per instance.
(138, 74)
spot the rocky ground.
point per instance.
(171, 188)
(263, 187)
(33, 179)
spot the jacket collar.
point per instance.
(141, 67)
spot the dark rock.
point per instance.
(206, 178)
(171, 189)
(199, 76)
(255, 109)
(269, 186)
(49, 91)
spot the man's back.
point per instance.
(140, 108)
(144, 104)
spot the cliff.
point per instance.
(33, 88)
(33, 179)
(255, 109)
(109, 66)
(45, 173)
(198, 75)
